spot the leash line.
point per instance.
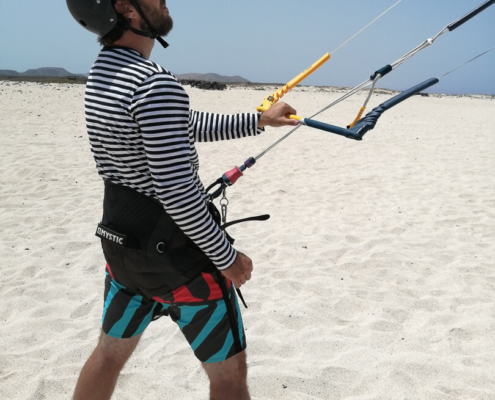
(467, 62)
(363, 29)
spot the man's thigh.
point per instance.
(116, 348)
(126, 314)
(232, 369)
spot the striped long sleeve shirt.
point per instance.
(142, 134)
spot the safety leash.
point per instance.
(224, 202)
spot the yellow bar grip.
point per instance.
(296, 117)
(358, 117)
(272, 99)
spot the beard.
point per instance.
(162, 24)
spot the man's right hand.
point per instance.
(240, 271)
(277, 115)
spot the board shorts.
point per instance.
(154, 269)
(205, 309)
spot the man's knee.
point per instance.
(115, 351)
(231, 372)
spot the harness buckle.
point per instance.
(224, 202)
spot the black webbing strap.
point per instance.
(238, 221)
(234, 326)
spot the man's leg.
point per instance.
(99, 374)
(228, 379)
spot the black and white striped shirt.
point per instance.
(142, 135)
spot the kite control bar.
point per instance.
(356, 132)
(274, 97)
(369, 121)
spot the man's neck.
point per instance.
(139, 43)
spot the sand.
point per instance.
(374, 278)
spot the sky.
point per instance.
(273, 41)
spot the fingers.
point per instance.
(287, 121)
(282, 108)
(289, 109)
(278, 115)
(248, 274)
(240, 282)
(246, 269)
(239, 272)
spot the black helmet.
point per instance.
(97, 16)
(100, 17)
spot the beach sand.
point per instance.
(374, 277)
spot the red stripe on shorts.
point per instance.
(110, 271)
(156, 298)
(215, 291)
(183, 295)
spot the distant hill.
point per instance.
(61, 72)
(47, 71)
(8, 72)
(212, 78)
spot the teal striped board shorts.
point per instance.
(205, 309)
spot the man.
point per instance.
(165, 252)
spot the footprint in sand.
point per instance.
(460, 334)
(82, 311)
(398, 314)
(352, 239)
(385, 326)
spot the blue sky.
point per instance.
(273, 41)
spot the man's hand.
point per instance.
(277, 115)
(240, 271)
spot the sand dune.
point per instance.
(374, 278)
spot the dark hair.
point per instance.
(117, 32)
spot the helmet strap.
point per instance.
(152, 32)
(146, 34)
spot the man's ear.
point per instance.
(125, 9)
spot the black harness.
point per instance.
(139, 224)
